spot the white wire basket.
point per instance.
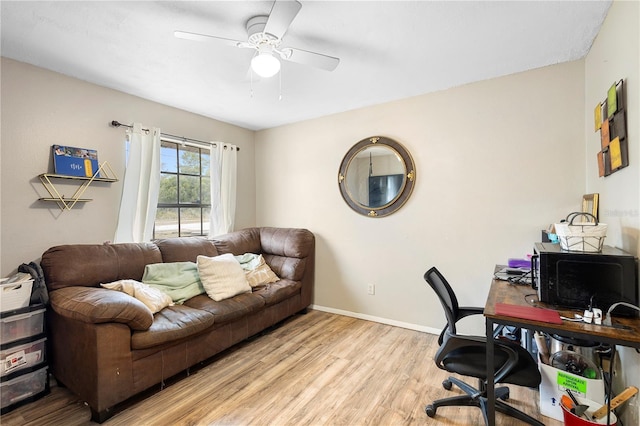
(581, 236)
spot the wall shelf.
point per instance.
(47, 179)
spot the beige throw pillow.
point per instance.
(261, 275)
(222, 276)
(257, 270)
(153, 298)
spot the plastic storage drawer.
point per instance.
(22, 388)
(18, 357)
(21, 324)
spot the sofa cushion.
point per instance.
(96, 263)
(229, 309)
(287, 242)
(185, 249)
(290, 268)
(172, 324)
(99, 305)
(222, 276)
(278, 291)
(284, 249)
(239, 242)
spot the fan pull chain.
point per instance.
(280, 85)
(251, 83)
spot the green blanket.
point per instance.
(248, 261)
(180, 280)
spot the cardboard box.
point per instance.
(553, 385)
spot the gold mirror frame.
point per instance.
(406, 188)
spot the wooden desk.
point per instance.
(624, 332)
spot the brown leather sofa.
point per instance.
(106, 346)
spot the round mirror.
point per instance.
(376, 176)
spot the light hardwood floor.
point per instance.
(314, 369)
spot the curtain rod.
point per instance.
(116, 123)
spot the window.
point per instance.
(184, 201)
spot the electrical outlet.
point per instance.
(371, 289)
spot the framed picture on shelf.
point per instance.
(72, 161)
(590, 204)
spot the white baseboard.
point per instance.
(394, 323)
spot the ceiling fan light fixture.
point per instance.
(265, 64)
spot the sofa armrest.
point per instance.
(98, 305)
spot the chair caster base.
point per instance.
(430, 410)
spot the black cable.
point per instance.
(521, 279)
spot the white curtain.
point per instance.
(141, 185)
(224, 160)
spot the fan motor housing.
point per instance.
(255, 30)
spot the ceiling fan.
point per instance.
(265, 36)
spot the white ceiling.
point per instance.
(388, 49)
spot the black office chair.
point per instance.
(466, 355)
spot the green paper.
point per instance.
(612, 101)
(571, 382)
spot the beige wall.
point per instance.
(614, 56)
(497, 161)
(41, 108)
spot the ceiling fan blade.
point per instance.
(208, 38)
(282, 14)
(313, 59)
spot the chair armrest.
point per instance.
(98, 305)
(462, 312)
(469, 310)
(511, 363)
